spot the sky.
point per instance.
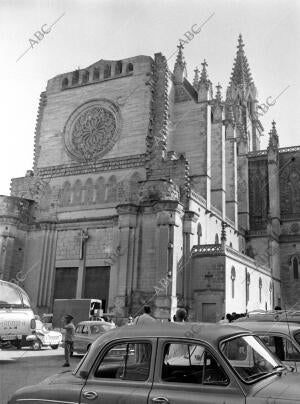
(85, 31)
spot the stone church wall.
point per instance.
(133, 109)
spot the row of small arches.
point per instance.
(100, 191)
(97, 74)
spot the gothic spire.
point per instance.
(273, 138)
(180, 65)
(241, 74)
(196, 79)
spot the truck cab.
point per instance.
(17, 320)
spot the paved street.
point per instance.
(26, 367)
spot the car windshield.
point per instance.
(249, 357)
(9, 297)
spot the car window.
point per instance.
(188, 363)
(96, 329)
(297, 337)
(78, 329)
(85, 329)
(126, 362)
(281, 347)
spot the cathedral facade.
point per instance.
(147, 188)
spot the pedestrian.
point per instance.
(144, 318)
(69, 338)
(181, 315)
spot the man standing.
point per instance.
(69, 338)
(180, 316)
(145, 318)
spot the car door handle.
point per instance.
(90, 395)
(160, 400)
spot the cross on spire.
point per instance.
(204, 75)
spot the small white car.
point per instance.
(44, 337)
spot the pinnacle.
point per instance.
(273, 139)
(241, 73)
(180, 58)
(219, 94)
(196, 78)
(204, 75)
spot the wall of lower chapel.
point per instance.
(61, 104)
(237, 302)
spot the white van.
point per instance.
(17, 319)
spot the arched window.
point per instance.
(118, 68)
(65, 83)
(100, 190)
(247, 286)
(216, 238)
(134, 186)
(295, 266)
(96, 73)
(111, 187)
(88, 192)
(75, 77)
(199, 233)
(65, 195)
(85, 76)
(260, 288)
(107, 71)
(232, 277)
(77, 193)
(129, 68)
(230, 244)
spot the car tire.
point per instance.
(54, 346)
(36, 345)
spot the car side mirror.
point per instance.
(84, 374)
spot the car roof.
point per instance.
(94, 323)
(206, 331)
(268, 326)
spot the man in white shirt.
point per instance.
(144, 318)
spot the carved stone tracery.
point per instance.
(92, 130)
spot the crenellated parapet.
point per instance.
(16, 209)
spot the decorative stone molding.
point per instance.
(37, 132)
(117, 163)
(92, 130)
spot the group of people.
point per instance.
(145, 318)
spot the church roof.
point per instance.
(241, 73)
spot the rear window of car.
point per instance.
(98, 328)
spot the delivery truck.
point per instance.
(17, 319)
(80, 309)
